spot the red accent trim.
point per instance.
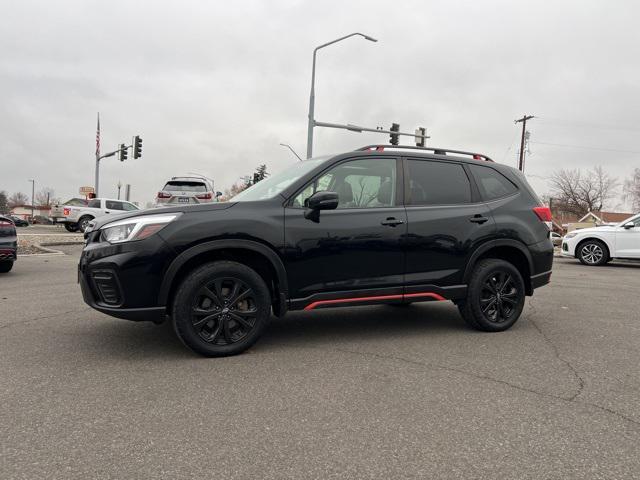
(425, 294)
(313, 305)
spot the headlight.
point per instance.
(135, 228)
(570, 235)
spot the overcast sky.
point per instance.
(214, 87)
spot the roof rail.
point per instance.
(435, 150)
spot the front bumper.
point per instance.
(568, 249)
(123, 280)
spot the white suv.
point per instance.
(186, 190)
(598, 245)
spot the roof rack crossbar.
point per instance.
(436, 150)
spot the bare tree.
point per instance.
(631, 190)
(45, 196)
(4, 203)
(18, 199)
(234, 190)
(580, 192)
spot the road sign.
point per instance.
(86, 190)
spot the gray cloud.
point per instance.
(214, 87)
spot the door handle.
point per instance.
(478, 219)
(391, 222)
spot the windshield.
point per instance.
(273, 185)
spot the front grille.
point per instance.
(107, 286)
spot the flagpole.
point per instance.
(97, 181)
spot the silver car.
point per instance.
(181, 190)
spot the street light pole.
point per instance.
(292, 150)
(312, 95)
(33, 200)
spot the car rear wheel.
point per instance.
(83, 223)
(221, 309)
(6, 266)
(593, 252)
(495, 296)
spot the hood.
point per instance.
(606, 228)
(101, 221)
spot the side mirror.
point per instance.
(320, 201)
(629, 225)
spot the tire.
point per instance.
(83, 223)
(593, 253)
(205, 294)
(71, 227)
(6, 266)
(495, 296)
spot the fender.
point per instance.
(188, 254)
(492, 244)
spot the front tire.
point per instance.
(71, 227)
(6, 266)
(593, 253)
(495, 296)
(221, 309)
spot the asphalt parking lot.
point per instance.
(369, 392)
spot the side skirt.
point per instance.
(414, 293)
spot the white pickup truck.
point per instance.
(77, 217)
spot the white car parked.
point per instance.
(77, 218)
(598, 245)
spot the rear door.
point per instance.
(447, 220)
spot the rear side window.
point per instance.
(113, 205)
(174, 186)
(437, 183)
(94, 204)
(491, 183)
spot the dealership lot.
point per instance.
(359, 392)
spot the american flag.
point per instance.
(98, 137)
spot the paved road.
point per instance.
(42, 229)
(371, 392)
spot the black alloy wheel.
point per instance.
(495, 296)
(221, 309)
(224, 311)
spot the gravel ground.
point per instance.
(30, 244)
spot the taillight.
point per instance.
(66, 211)
(544, 214)
(164, 195)
(205, 196)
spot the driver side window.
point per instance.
(367, 183)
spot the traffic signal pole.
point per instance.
(358, 129)
(106, 155)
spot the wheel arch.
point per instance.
(581, 242)
(512, 251)
(256, 255)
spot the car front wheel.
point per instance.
(495, 296)
(593, 252)
(221, 309)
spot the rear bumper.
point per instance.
(540, 279)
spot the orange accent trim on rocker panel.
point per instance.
(313, 305)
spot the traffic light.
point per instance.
(420, 133)
(394, 136)
(122, 152)
(137, 147)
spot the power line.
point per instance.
(569, 123)
(586, 147)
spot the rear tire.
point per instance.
(495, 296)
(221, 309)
(6, 266)
(83, 223)
(593, 253)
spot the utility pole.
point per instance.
(523, 120)
(119, 187)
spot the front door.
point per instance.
(353, 253)
(628, 240)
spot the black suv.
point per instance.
(382, 224)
